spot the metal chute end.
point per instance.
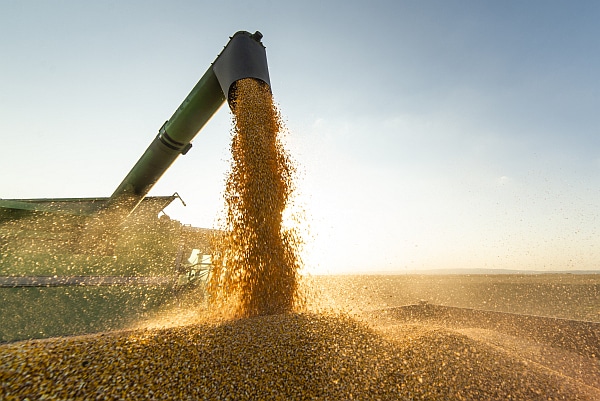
(243, 57)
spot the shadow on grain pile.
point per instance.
(287, 356)
(565, 349)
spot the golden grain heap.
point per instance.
(255, 265)
(278, 357)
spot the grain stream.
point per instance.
(256, 261)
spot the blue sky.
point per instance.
(429, 134)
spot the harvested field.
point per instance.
(568, 296)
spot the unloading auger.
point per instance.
(243, 57)
(93, 225)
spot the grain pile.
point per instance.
(275, 357)
(256, 262)
(271, 353)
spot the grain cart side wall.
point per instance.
(243, 57)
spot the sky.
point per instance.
(427, 134)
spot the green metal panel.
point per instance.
(73, 206)
(197, 108)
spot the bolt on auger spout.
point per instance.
(244, 56)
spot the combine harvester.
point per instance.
(121, 239)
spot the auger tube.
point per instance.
(244, 56)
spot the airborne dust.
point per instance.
(269, 350)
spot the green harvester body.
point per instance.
(34, 230)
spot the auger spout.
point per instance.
(244, 56)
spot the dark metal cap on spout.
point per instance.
(243, 57)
